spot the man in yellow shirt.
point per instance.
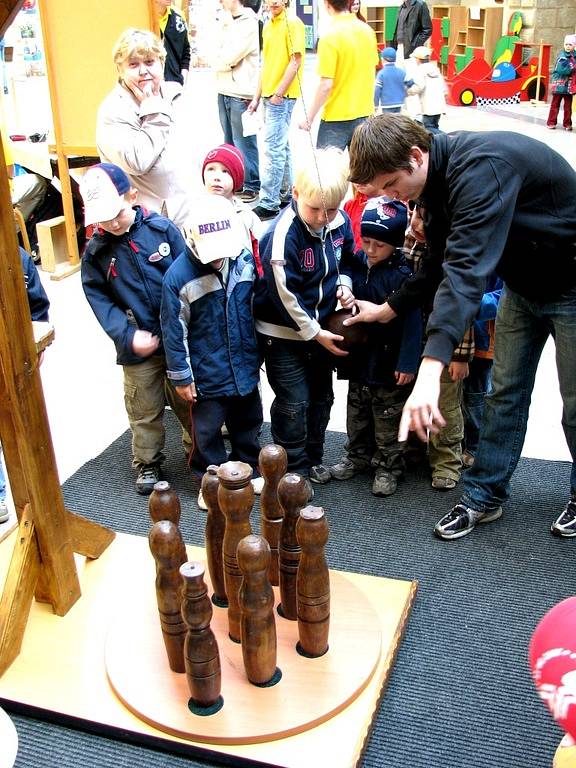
(347, 60)
(282, 60)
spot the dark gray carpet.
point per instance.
(460, 695)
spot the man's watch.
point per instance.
(278, 95)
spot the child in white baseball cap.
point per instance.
(122, 271)
(209, 337)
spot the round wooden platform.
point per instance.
(310, 692)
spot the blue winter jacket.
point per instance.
(37, 299)
(208, 328)
(122, 278)
(393, 346)
(301, 275)
(389, 88)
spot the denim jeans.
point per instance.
(522, 328)
(230, 110)
(276, 175)
(300, 374)
(337, 133)
(476, 386)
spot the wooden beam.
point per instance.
(28, 416)
(88, 538)
(8, 11)
(19, 589)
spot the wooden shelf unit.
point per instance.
(376, 18)
(466, 33)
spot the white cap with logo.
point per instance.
(214, 226)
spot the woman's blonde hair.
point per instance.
(324, 175)
(140, 42)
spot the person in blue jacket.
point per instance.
(209, 337)
(302, 282)
(122, 271)
(390, 85)
(39, 306)
(380, 370)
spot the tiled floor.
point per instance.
(83, 386)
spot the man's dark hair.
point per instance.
(383, 144)
(254, 4)
(340, 5)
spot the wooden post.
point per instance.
(63, 170)
(44, 556)
(537, 101)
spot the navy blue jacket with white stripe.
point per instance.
(298, 290)
(122, 278)
(208, 327)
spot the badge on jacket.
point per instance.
(161, 253)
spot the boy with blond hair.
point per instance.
(122, 271)
(301, 285)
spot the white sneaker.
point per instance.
(258, 485)
(4, 514)
(201, 503)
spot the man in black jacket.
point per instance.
(494, 202)
(413, 26)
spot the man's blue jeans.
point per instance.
(231, 109)
(337, 133)
(522, 328)
(300, 374)
(276, 175)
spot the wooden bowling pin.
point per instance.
(164, 504)
(313, 583)
(214, 535)
(257, 626)
(236, 498)
(272, 461)
(293, 492)
(201, 655)
(169, 553)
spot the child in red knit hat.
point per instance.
(223, 174)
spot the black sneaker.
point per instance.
(461, 520)
(248, 195)
(565, 524)
(285, 201)
(148, 476)
(264, 214)
(320, 474)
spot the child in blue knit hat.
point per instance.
(381, 371)
(390, 86)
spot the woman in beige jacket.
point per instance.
(137, 127)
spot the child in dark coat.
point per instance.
(380, 370)
(122, 271)
(208, 327)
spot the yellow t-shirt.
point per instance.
(7, 146)
(282, 37)
(348, 55)
(163, 20)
